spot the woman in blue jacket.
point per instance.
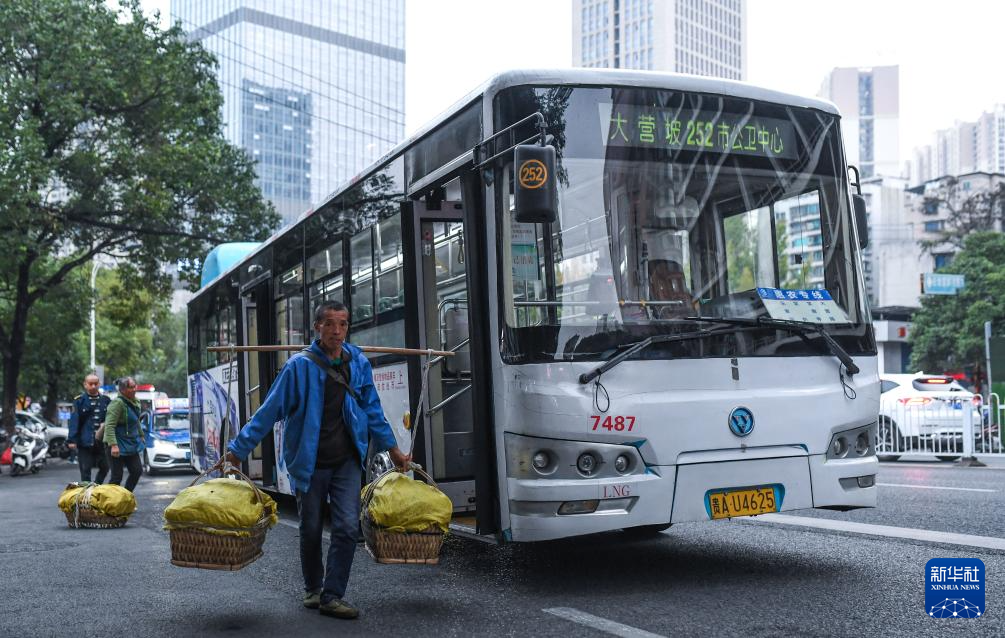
(331, 411)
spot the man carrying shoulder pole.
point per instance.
(331, 410)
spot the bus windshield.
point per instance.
(676, 205)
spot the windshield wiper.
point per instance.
(586, 377)
(802, 328)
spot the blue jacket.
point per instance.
(88, 415)
(297, 396)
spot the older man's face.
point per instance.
(91, 385)
(332, 329)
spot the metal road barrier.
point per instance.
(941, 425)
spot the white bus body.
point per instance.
(706, 228)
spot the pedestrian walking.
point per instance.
(123, 434)
(331, 409)
(88, 414)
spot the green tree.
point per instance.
(167, 368)
(123, 337)
(56, 342)
(948, 331)
(111, 131)
(743, 253)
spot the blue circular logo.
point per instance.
(741, 421)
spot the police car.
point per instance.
(167, 437)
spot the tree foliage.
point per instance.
(948, 331)
(57, 356)
(743, 255)
(112, 144)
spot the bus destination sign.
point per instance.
(630, 126)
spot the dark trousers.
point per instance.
(130, 462)
(340, 489)
(90, 458)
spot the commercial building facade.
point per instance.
(869, 101)
(701, 37)
(314, 90)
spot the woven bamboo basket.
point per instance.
(85, 516)
(195, 546)
(399, 548)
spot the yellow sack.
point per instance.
(402, 504)
(110, 500)
(219, 506)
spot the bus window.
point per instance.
(327, 290)
(801, 241)
(325, 262)
(390, 282)
(361, 256)
(289, 310)
(750, 253)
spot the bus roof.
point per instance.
(222, 258)
(545, 77)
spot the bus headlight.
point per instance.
(587, 463)
(839, 447)
(861, 439)
(541, 461)
(862, 443)
(621, 463)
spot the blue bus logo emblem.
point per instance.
(741, 421)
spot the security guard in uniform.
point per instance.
(88, 415)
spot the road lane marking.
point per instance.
(910, 533)
(910, 465)
(602, 624)
(937, 487)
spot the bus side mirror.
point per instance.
(535, 191)
(860, 220)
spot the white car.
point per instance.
(55, 435)
(924, 413)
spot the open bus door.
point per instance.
(257, 370)
(450, 443)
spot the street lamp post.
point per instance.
(94, 293)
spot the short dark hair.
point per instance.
(325, 306)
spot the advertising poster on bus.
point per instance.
(391, 383)
(210, 403)
(282, 478)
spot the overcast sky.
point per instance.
(950, 53)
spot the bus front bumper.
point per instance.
(601, 505)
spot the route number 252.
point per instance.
(613, 423)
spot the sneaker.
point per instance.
(312, 599)
(339, 608)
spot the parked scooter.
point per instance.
(28, 450)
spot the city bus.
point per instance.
(652, 285)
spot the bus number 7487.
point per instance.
(615, 423)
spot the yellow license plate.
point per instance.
(742, 502)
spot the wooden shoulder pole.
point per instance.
(295, 348)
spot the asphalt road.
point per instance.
(747, 577)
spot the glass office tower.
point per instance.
(313, 89)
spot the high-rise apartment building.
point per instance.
(965, 147)
(703, 37)
(869, 101)
(314, 90)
